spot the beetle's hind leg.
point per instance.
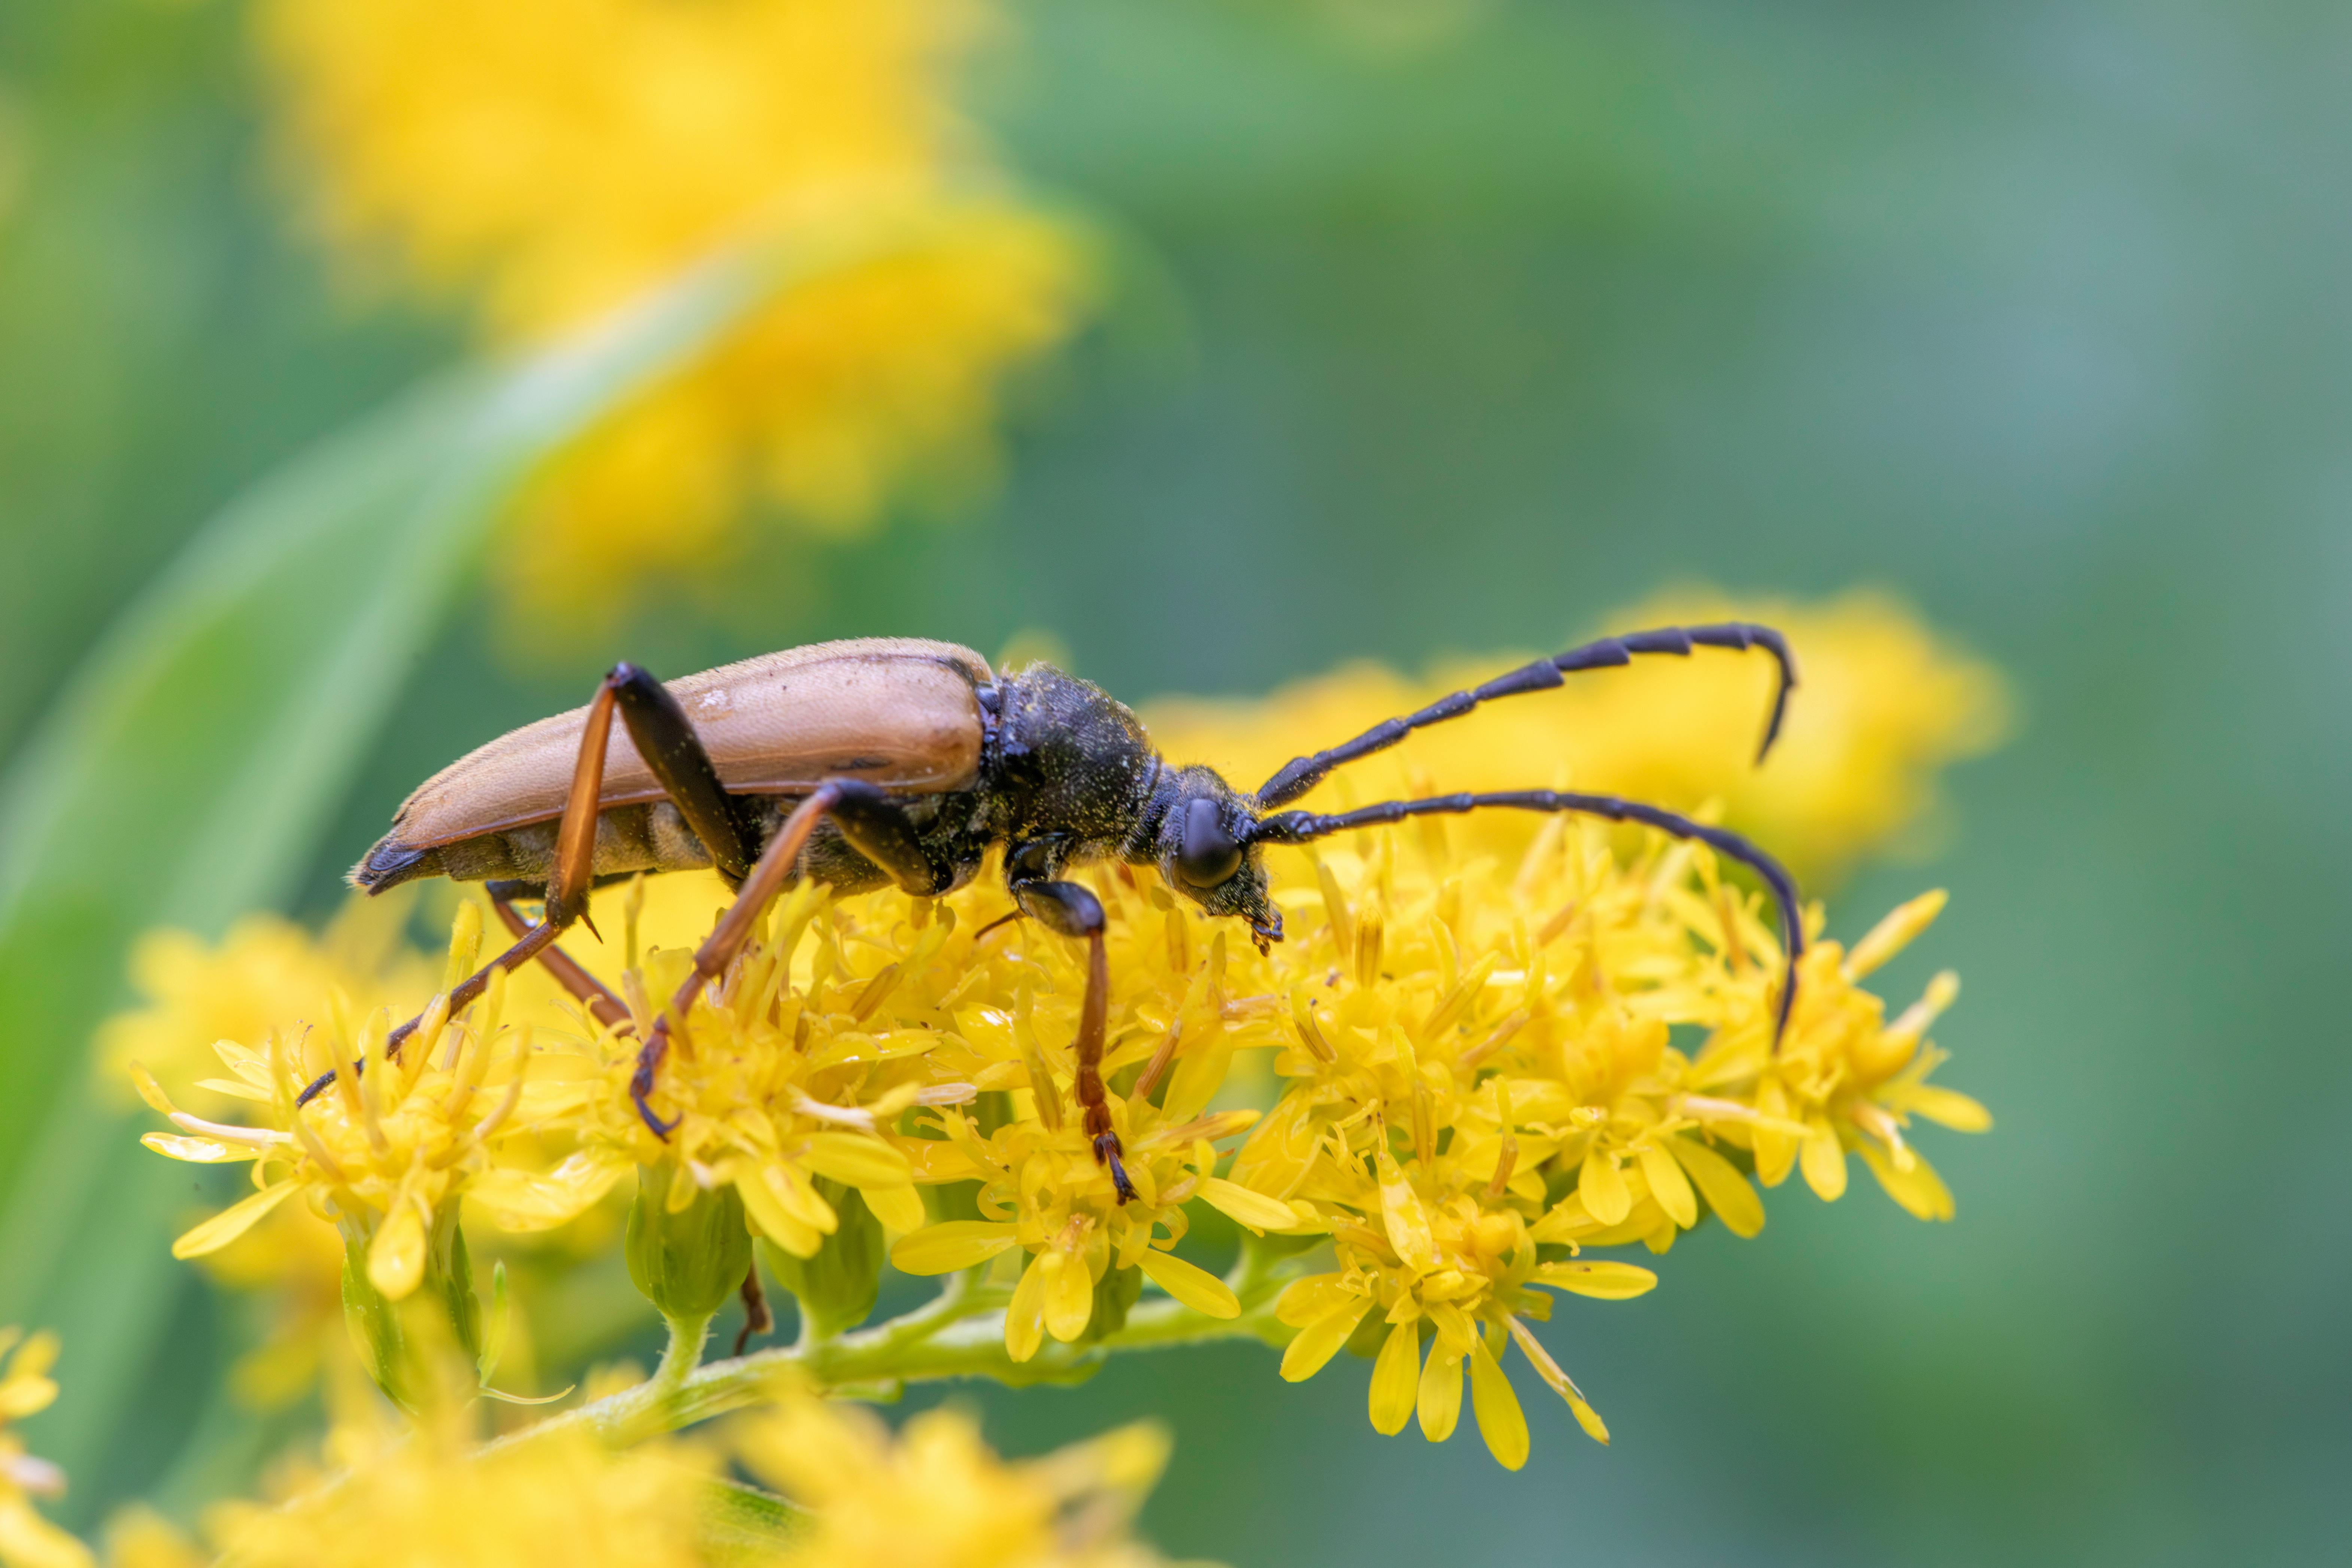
(567, 883)
(1072, 910)
(584, 987)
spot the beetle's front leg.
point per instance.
(1071, 910)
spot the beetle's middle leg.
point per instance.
(874, 825)
(1072, 910)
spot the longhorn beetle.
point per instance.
(903, 761)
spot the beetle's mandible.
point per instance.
(896, 760)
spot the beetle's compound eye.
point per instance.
(1209, 854)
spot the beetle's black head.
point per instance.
(1204, 850)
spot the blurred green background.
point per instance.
(1456, 325)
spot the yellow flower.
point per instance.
(556, 157)
(1852, 1079)
(431, 1501)
(1172, 1030)
(938, 1497)
(1482, 1080)
(385, 1152)
(27, 1540)
(265, 974)
(1883, 705)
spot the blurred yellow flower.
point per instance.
(1883, 705)
(937, 1496)
(267, 973)
(428, 1499)
(27, 1540)
(553, 159)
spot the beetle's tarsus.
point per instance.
(1107, 1152)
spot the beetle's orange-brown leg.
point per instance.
(875, 826)
(584, 987)
(726, 938)
(567, 883)
(1072, 910)
(665, 738)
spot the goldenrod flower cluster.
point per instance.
(1482, 1062)
(555, 159)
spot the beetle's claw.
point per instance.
(661, 1129)
(1107, 1152)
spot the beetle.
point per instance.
(897, 760)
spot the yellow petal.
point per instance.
(1395, 1377)
(1306, 1300)
(1500, 1420)
(1946, 1107)
(1918, 1190)
(28, 1541)
(1024, 1320)
(1775, 1151)
(231, 1223)
(1727, 1193)
(1319, 1341)
(855, 1160)
(1590, 1419)
(1439, 1404)
(199, 1151)
(395, 1260)
(1668, 1186)
(950, 1245)
(1196, 1287)
(525, 1202)
(899, 1208)
(1602, 1187)
(1406, 1220)
(771, 1218)
(1894, 933)
(1252, 1209)
(799, 1196)
(1069, 1293)
(1824, 1163)
(149, 1090)
(1602, 1280)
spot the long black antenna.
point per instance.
(1298, 827)
(1301, 774)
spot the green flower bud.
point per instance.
(1114, 1293)
(838, 1286)
(410, 1346)
(689, 1259)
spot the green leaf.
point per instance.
(188, 770)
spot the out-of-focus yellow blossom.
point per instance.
(428, 1499)
(937, 1495)
(27, 1540)
(1883, 705)
(555, 159)
(267, 973)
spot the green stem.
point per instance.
(960, 1333)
